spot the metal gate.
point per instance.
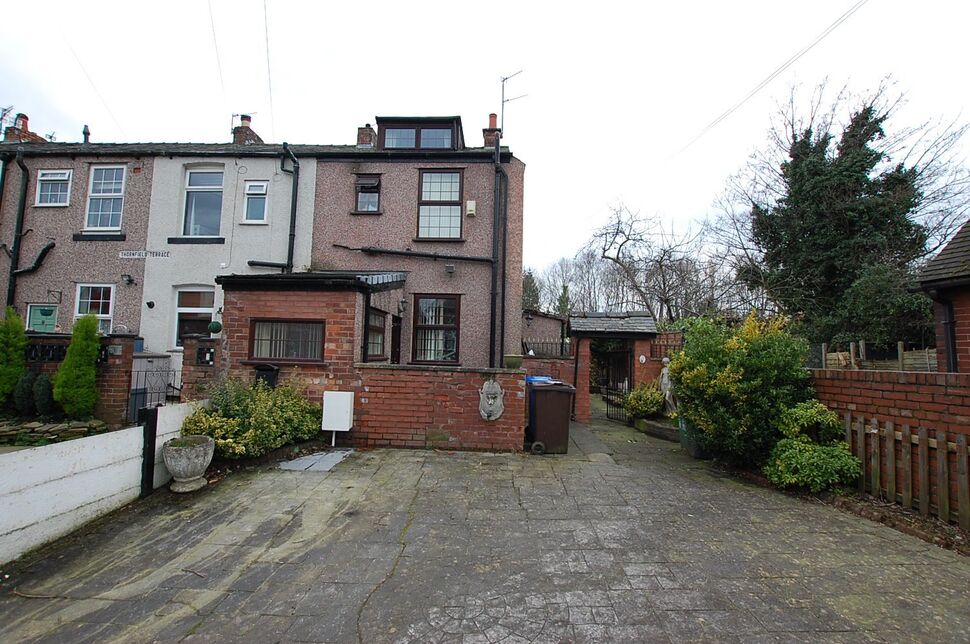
(615, 408)
(151, 388)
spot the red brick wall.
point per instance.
(113, 378)
(197, 378)
(411, 406)
(558, 368)
(935, 401)
(582, 378)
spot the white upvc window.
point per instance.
(256, 201)
(53, 187)
(203, 203)
(106, 196)
(193, 312)
(97, 300)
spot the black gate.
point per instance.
(151, 388)
(615, 408)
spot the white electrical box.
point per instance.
(338, 411)
(470, 208)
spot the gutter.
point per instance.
(39, 261)
(18, 232)
(375, 250)
(296, 189)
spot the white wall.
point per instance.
(47, 492)
(197, 265)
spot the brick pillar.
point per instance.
(114, 380)
(200, 360)
(582, 379)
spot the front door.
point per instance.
(395, 339)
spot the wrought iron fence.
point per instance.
(615, 400)
(153, 387)
(557, 348)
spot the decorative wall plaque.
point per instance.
(491, 403)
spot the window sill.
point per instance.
(376, 359)
(51, 205)
(442, 363)
(284, 362)
(447, 240)
(366, 212)
(253, 223)
(92, 236)
(196, 240)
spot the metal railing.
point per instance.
(556, 348)
(615, 400)
(153, 387)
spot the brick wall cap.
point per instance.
(425, 367)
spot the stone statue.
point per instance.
(491, 403)
(667, 389)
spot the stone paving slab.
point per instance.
(428, 546)
(320, 462)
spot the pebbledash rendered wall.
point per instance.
(394, 405)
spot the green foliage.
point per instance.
(845, 216)
(13, 353)
(564, 304)
(23, 394)
(644, 401)
(248, 421)
(44, 396)
(530, 291)
(797, 462)
(74, 383)
(735, 384)
(813, 420)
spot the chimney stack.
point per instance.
(366, 136)
(492, 133)
(20, 131)
(244, 134)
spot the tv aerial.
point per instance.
(505, 79)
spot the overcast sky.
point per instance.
(615, 90)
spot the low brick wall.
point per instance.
(559, 368)
(412, 406)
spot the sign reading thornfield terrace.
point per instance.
(142, 254)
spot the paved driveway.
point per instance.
(397, 546)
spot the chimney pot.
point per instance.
(245, 120)
(87, 133)
(492, 121)
(492, 132)
(21, 122)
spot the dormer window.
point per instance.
(420, 133)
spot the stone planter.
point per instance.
(513, 361)
(187, 459)
(690, 441)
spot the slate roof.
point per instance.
(630, 323)
(316, 280)
(952, 264)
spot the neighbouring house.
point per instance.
(544, 334)
(946, 279)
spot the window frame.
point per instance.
(373, 329)
(421, 202)
(415, 327)
(360, 187)
(41, 180)
(101, 317)
(105, 195)
(253, 359)
(192, 309)
(45, 305)
(248, 195)
(418, 135)
(189, 189)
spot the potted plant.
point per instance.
(187, 458)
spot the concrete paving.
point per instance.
(622, 539)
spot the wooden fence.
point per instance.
(856, 358)
(933, 477)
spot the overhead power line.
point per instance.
(93, 86)
(215, 44)
(269, 74)
(781, 68)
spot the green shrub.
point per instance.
(74, 383)
(797, 462)
(23, 394)
(735, 384)
(44, 396)
(13, 353)
(247, 421)
(812, 419)
(644, 401)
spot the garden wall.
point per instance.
(47, 492)
(911, 430)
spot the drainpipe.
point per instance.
(365, 328)
(949, 333)
(495, 254)
(296, 188)
(18, 231)
(505, 238)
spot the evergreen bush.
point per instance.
(74, 383)
(13, 353)
(44, 396)
(798, 462)
(250, 420)
(735, 384)
(23, 394)
(644, 401)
